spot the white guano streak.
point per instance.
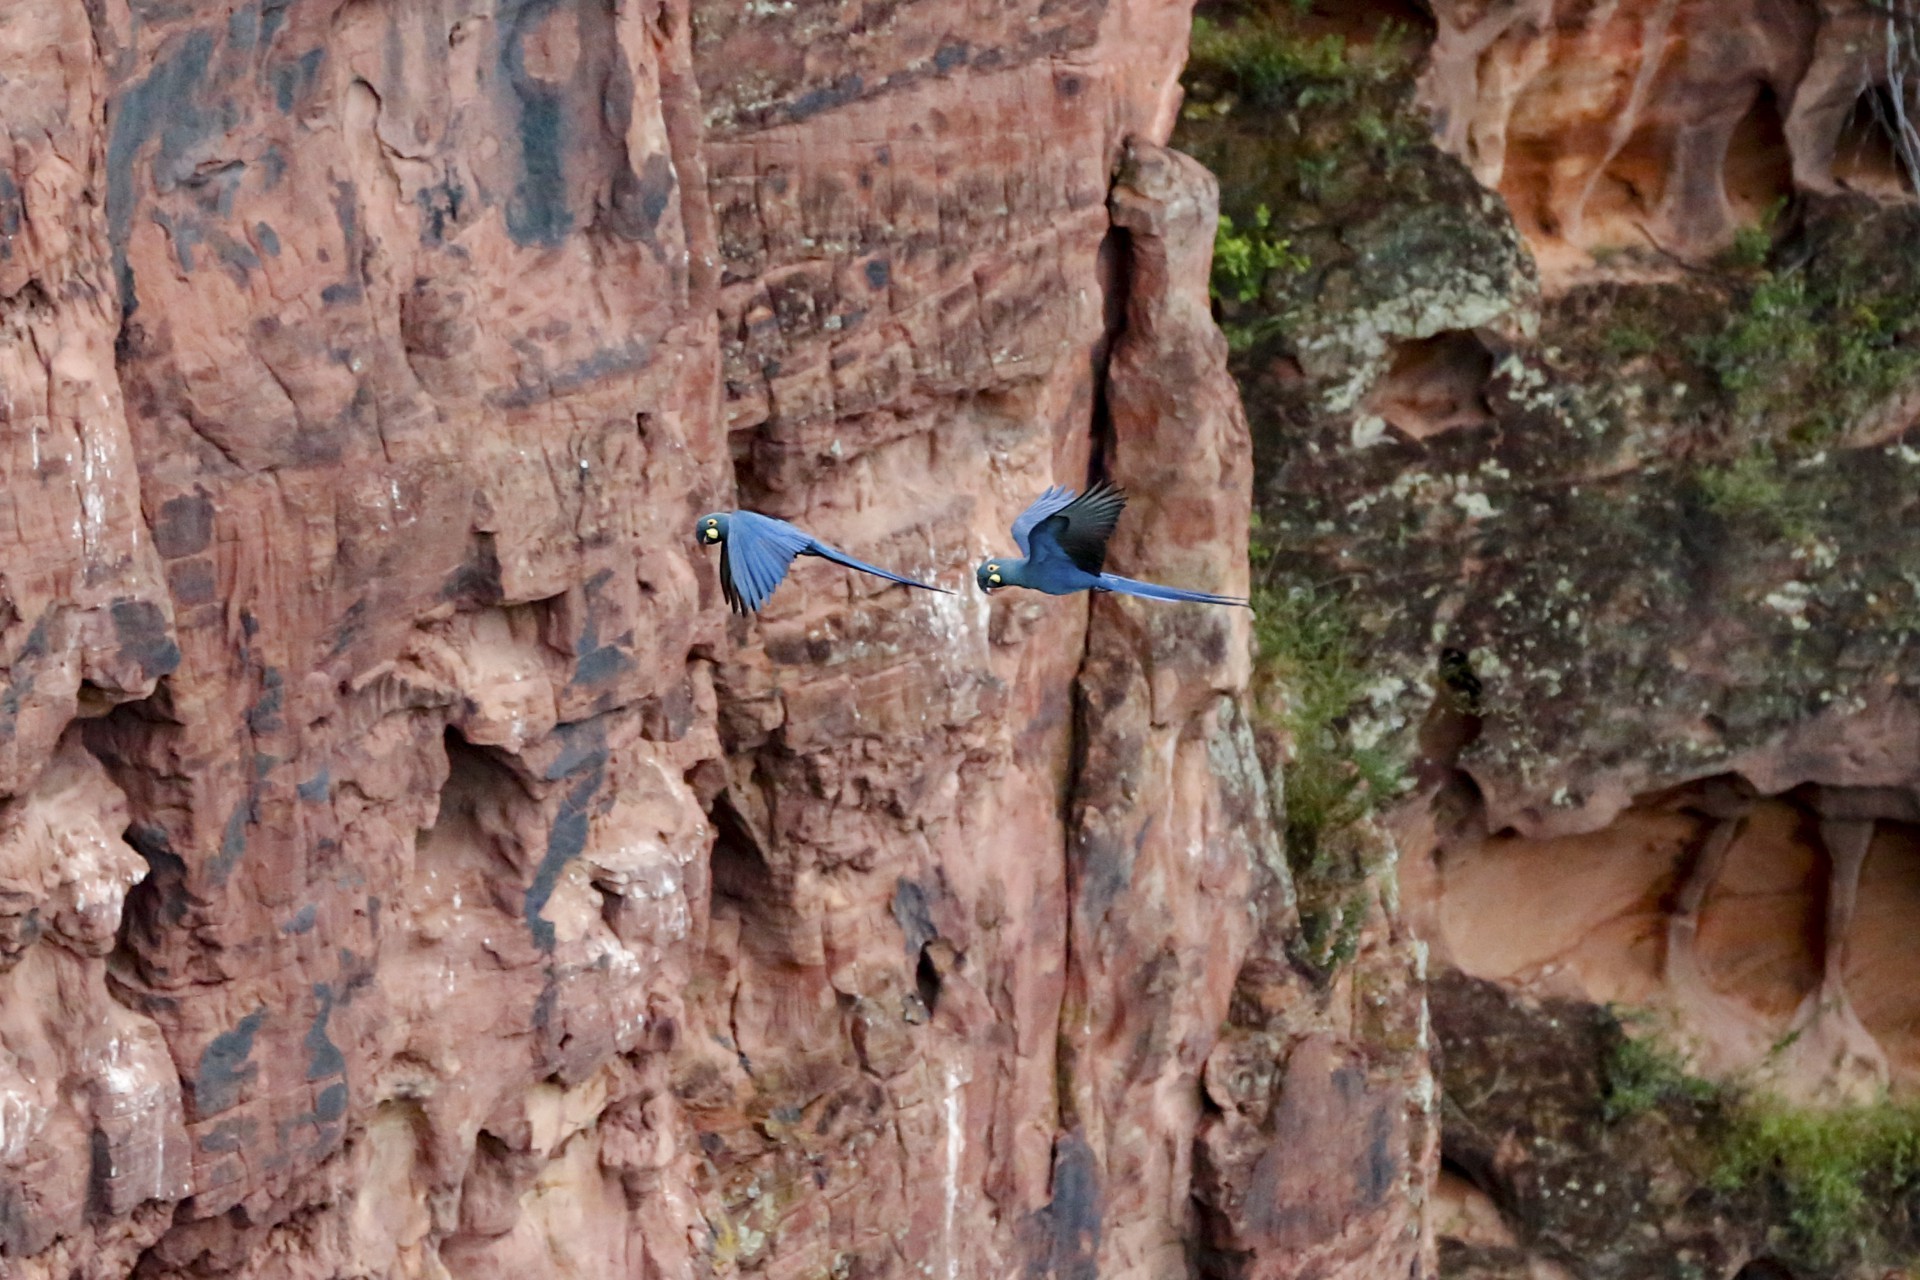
(955, 1137)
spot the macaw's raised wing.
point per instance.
(1043, 506)
(1079, 529)
(755, 557)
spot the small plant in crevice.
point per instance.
(1243, 257)
(1627, 337)
(1753, 244)
(1760, 491)
(1642, 1071)
(1263, 63)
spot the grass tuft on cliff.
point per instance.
(1311, 682)
(1642, 1072)
(1839, 1174)
(1264, 64)
(1245, 256)
(1833, 1177)
(1817, 345)
(1268, 56)
(1303, 115)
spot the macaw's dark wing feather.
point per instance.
(1080, 528)
(839, 557)
(726, 581)
(1042, 507)
(755, 558)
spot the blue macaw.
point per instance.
(756, 550)
(1063, 540)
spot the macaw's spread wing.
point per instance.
(755, 558)
(1080, 528)
(1043, 506)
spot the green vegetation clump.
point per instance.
(1759, 490)
(1753, 244)
(1309, 130)
(1627, 337)
(1264, 64)
(1843, 1176)
(1307, 649)
(1812, 349)
(1838, 1178)
(1263, 57)
(1643, 1072)
(1243, 257)
(1311, 678)
(1327, 101)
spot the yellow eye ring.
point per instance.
(993, 568)
(712, 523)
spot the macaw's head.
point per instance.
(991, 575)
(712, 529)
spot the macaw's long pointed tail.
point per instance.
(1154, 591)
(839, 557)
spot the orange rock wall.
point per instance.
(1660, 124)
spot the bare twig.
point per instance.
(1892, 110)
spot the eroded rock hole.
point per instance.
(741, 874)
(1768, 924)
(1435, 385)
(1453, 723)
(1759, 168)
(1866, 157)
(1452, 1166)
(926, 978)
(121, 738)
(470, 855)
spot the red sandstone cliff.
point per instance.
(503, 908)
(409, 869)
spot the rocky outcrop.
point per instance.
(502, 906)
(1585, 425)
(1759, 928)
(1665, 124)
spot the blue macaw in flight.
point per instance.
(1063, 544)
(756, 551)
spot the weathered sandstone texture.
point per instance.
(1663, 123)
(499, 906)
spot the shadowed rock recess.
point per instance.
(407, 867)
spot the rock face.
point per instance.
(1666, 123)
(501, 907)
(408, 869)
(1578, 344)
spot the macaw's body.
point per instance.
(1063, 546)
(757, 550)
